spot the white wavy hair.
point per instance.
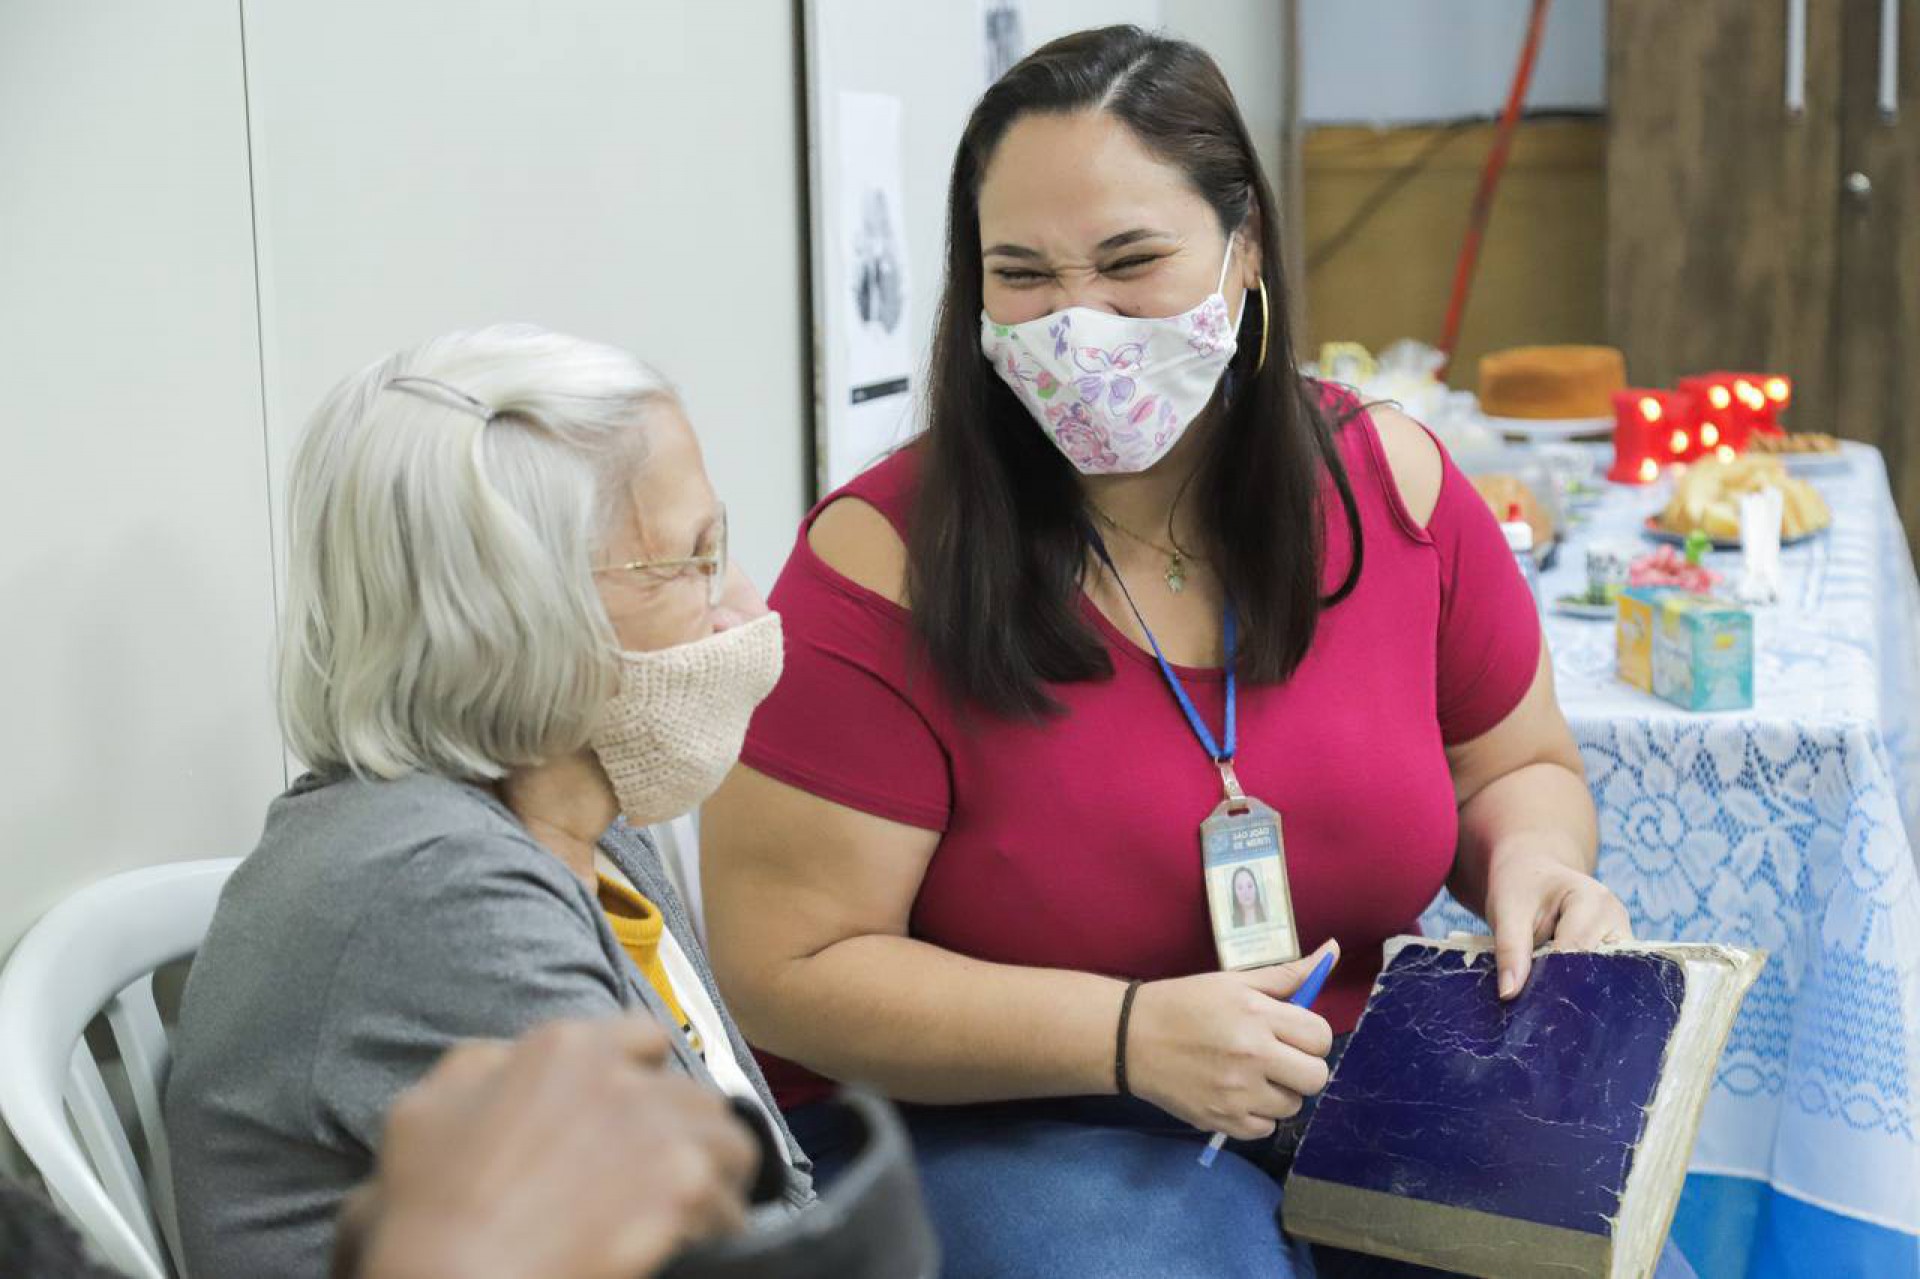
(441, 614)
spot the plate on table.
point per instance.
(1815, 463)
(1661, 533)
(1551, 428)
(1585, 609)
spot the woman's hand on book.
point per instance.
(1534, 898)
(1223, 1052)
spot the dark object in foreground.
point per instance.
(870, 1223)
(36, 1240)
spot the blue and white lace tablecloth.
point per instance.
(1792, 827)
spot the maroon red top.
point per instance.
(1074, 842)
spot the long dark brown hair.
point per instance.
(995, 548)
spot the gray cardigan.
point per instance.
(376, 924)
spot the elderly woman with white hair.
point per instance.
(511, 641)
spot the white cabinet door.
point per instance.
(626, 172)
(136, 589)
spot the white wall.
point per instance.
(134, 538)
(1405, 61)
(134, 554)
(627, 172)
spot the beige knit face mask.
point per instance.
(675, 727)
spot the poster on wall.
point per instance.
(1003, 35)
(869, 401)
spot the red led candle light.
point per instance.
(1722, 424)
(1677, 438)
(1777, 388)
(1758, 399)
(1650, 430)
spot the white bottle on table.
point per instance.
(1519, 535)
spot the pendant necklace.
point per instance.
(1176, 574)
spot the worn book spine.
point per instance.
(1433, 1234)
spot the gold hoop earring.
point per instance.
(1266, 324)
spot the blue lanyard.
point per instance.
(1231, 630)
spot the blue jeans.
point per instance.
(1106, 1188)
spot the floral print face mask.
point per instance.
(1115, 392)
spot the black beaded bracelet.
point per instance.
(1120, 1041)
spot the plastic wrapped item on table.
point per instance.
(1406, 374)
(1506, 473)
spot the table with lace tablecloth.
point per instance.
(1790, 827)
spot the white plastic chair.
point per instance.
(96, 952)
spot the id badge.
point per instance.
(1245, 861)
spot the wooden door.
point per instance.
(1877, 321)
(1721, 206)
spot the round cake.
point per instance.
(1551, 381)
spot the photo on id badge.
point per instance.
(1252, 918)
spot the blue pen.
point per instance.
(1301, 998)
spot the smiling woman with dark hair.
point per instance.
(1137, 575)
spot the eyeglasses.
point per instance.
(710, 563)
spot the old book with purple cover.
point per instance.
(1546, 1136)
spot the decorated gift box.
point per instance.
(1692, 650)
(1633, 634)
